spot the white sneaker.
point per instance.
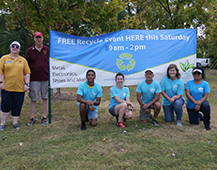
(178, 123)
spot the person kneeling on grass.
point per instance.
(148, 95)
(197, 92)
(120, 105)
(89, 96)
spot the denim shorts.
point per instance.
(12, 101)
(90, 113)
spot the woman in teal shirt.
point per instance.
(197, 92)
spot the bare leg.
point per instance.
(15, 120)
(120, 110)
(82, 111)
(4, 117)
(93, 122)
(157, 107)
(44, 107)
(32, 108)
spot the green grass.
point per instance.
(62, 145)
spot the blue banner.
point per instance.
(128, 51)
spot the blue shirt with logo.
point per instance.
(172, 88)
(88, 93)
(148, 91)
(121, 93)
(196, 91)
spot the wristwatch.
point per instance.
(1, 82)
(27, 84)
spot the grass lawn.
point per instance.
(62, 145)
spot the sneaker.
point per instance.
(120, 124)
(16, 126)
(150, 117)
(179, 123)
(31, 122)
(121, 120)
(83, 127)
(2, 127)
(155, 122)
(208, 127)
(200, 115)
(44, 120)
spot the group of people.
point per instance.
(18, 75)
(148, 95)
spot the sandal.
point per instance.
(16, 126)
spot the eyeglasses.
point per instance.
(196, 73)
(14, 46)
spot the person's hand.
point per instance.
(147, 111)
(26, 88)
(92, 108)
(1, 86)
(145, 107)
(198, 102)
(172, 100)
(89, 102)
(197, 108)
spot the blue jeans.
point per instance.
(195, 117)
(169, 110)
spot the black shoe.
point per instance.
(83, 127)
(207, 127)
(155, 122)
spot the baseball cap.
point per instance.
(197, 70)
(149, 69)
(38, 34)
(15, 43)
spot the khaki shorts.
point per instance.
(143, 115)
(36, 87)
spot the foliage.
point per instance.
(8, 36)
(96, 17)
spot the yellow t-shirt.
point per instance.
(13, 72)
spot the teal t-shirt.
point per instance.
(196, 91)
(88, 93)
(172, 88)
(121, 93)
(148, 91)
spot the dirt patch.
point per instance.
(64, 97)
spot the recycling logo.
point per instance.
(130, 65)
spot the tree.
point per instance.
(95, 17)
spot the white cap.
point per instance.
(15, 43)
(149, 69)
(197, 70)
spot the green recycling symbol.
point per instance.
(131, 64)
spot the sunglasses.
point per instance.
(14, 46)
(196, 73)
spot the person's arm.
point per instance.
(81, 100)
(97, 102)
(1, 84)
(27, 80)
(172, 99)
(157, 98)
(143, 105)
(188, 95)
